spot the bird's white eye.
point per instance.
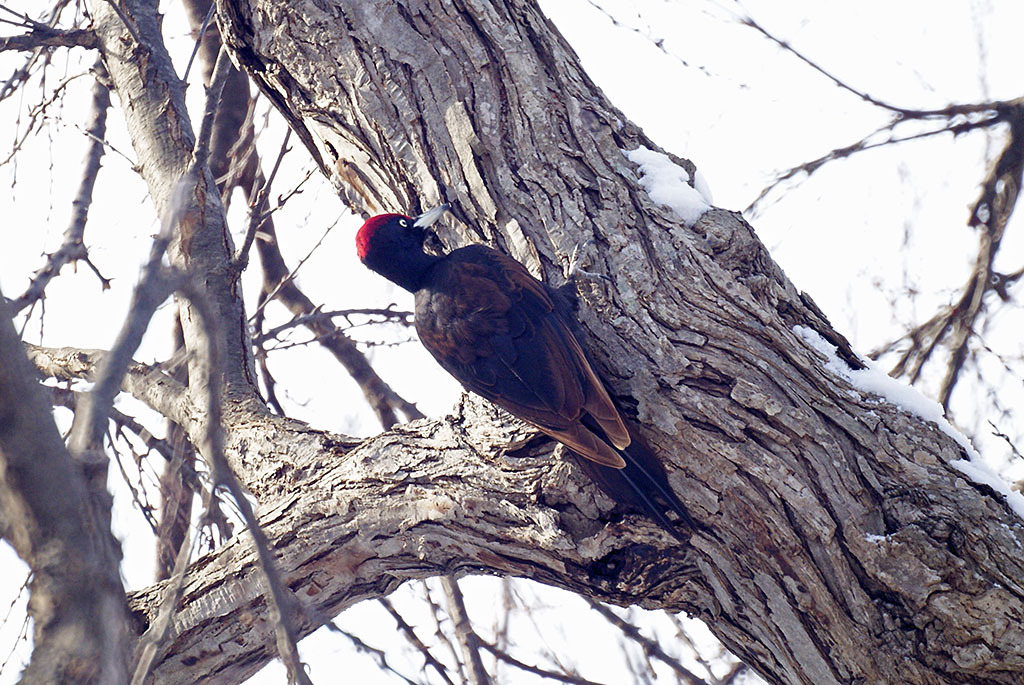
(403, 223)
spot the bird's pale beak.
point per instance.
(427, 219)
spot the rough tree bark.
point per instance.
(844, 546)
(76, 596)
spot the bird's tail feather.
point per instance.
(641, 485)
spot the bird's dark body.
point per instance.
(510, 338)
(494, 327)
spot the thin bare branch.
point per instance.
(280, 601)
(38, 114)
(438, 613)
(155, 286)
(379, 655)
(46, 37)
(257, 215)
(410, 635)
(955, 118)
(280, 282)
(199, 40)
(47, 24)
(469, 641)
(176, 488)
(155, 636)
(73, 246)
(544, 673)
(902, 112)
(650, 647)
(404, 318)
(866, 143)
(201, 152)
(1006, 438)
(957, 324)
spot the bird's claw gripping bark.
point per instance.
(571, 266)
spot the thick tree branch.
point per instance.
(186, 196)
(148, 384)
(362, 511)
(235, 164)
(489, 521)
(48, 516)
(823, 561)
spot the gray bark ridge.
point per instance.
(847, 547)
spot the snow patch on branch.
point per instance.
(671, 185)
(875, 381)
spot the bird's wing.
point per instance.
(494, 327)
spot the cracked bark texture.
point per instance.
(844, 545)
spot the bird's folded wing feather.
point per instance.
(502, 339)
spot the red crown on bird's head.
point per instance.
(369, 228)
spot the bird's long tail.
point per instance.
(642, 485)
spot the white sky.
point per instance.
(742, 111)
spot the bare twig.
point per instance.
(23, 633)
(257, 215)
(296, 189)
(684, 637)
(955, 118)
(199, 40)
(48, 23)
(73, 247)
(956, 324)
(469, 641)
(550, 675)
(410, 634)
(171, 454)
(279, 282)
(902, 112)
(501, 620)
(38, 114)
(438, 614)
(405, 318)
(650, 647)
(151, 640)
(269, 382)
(378, 654)
(288, 277)
(866, 143)
(1006, 438)
(176, 488)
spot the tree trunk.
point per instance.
(844, 545)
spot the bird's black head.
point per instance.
(392, 245)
